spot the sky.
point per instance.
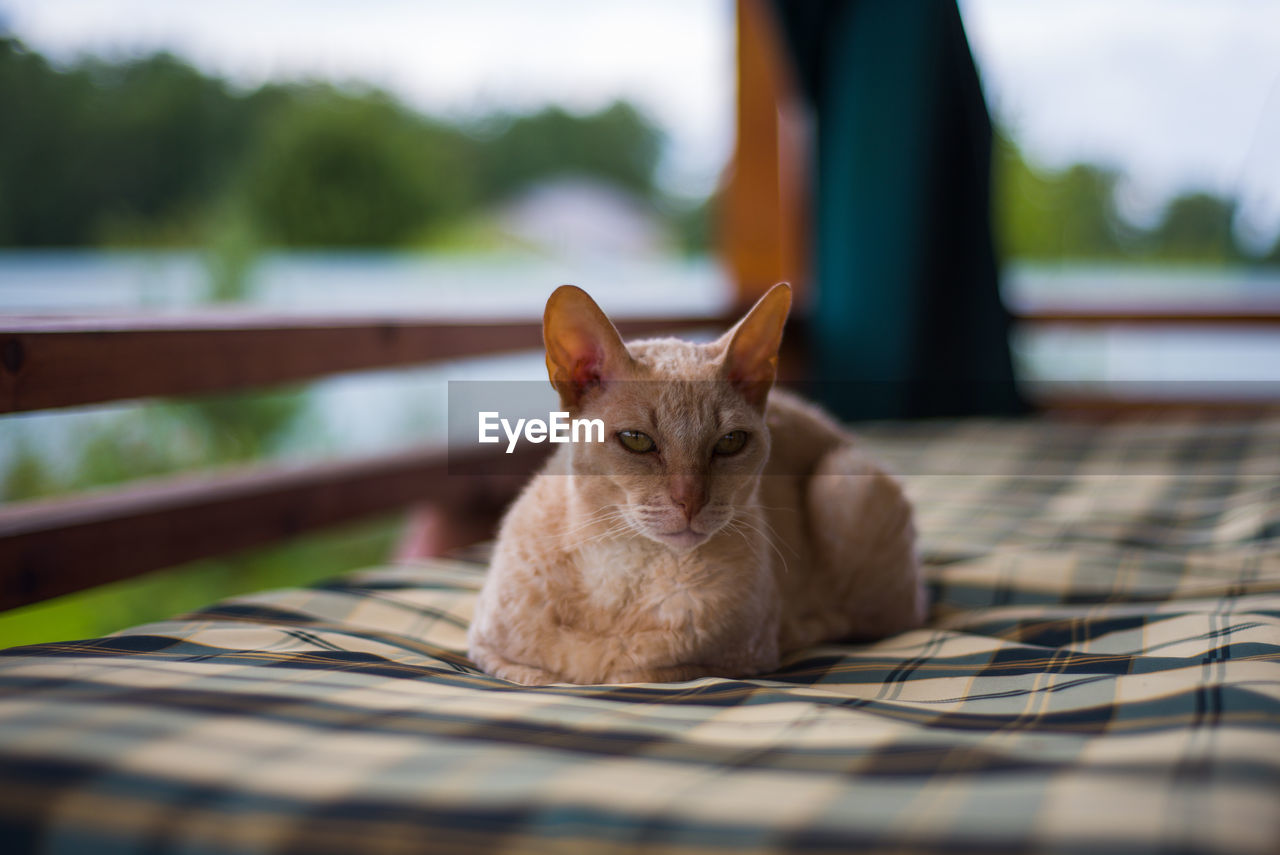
(1178, 95)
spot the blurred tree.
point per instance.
(617, 144)
(36, 105)
(1273, 257)
(239, 426)
(1196, 227)
(1022, 203)
(693, 223)
(27, 475)
(1069, 214)
(1087, 222)
(232, 248)
(105, 144)
(152, 151)
(1072, 214)
(341, 170)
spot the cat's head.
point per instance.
(685, 434)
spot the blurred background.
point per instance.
(463, 159)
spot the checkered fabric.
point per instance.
(1101, 675)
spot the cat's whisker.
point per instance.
(756, 552)
(744, 535)
(608, 535)
(775, 537)
(605, 516)
(601, 513)
(618, 524)
(776, 508)
(608, 517)
(767, 539)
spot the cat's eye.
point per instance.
(634, 440)
(731, 443)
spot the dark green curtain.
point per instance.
(908, 320)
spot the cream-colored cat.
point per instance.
(717, 527)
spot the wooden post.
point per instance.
(764, 215)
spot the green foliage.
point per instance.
(157, 439)
(1072, 214)
(1198, 228)
(105, 143)
(693, 223)
(617, 144)
(232, 249)
(238, 427)
(28, 477)
(152, 152)
(336, 170)
(1045, 215)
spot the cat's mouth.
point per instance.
(682, 540)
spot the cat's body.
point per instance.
(686, 560)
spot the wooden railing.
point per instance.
(1121, 398)
(54, 547)
(64, 362)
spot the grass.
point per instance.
(166, 593)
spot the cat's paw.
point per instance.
(669, 674)
(525, 675)
(513, 672)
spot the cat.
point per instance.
(720, 526)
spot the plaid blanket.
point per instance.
(1101, 675)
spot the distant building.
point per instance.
(576, 215)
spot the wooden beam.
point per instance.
(54, 547)
(63, 362)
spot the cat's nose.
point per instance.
(690, 493)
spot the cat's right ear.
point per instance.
(751, 347)
(584, 350)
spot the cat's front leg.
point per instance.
(650, 657)
(498, 666)
(666, 674)
(680, 673)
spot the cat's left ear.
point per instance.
(751, 357)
